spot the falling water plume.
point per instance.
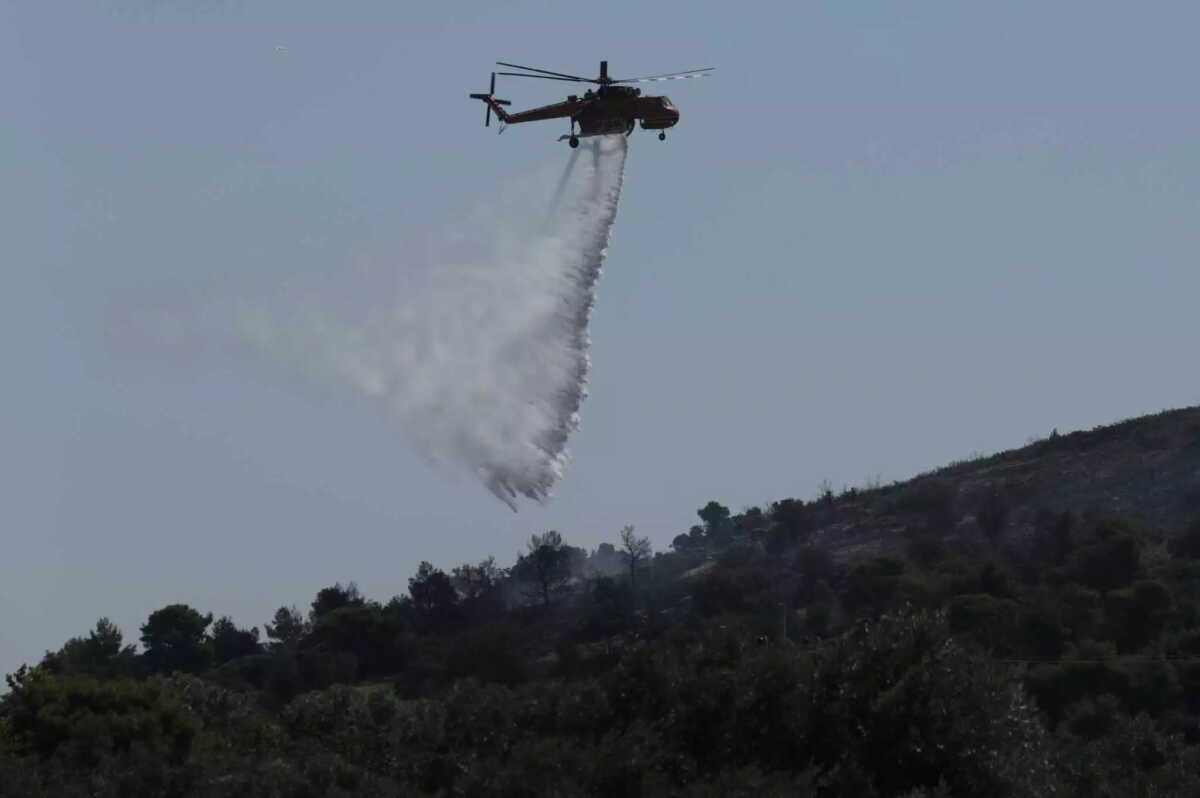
(483, 361)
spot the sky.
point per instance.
(881, 238)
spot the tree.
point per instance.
(716, 520)
(634, 549)
(933, 706)
(286, 628)
(352, 642)
(229, 642)
(174, 639)
(473, 582)
(433, 595)
(83, 721)
(682, 542)
(605, 560)
(792, 515)
(546, 566)
(334, 598)
(101, 653)
(752, 521)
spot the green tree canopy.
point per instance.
(229, 642)
(433, 596)
(101, 653)
(545, 567)
(334, 598)
(174, 639)
(716, 520)
(286, 628)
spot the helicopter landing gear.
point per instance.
(662, 136)
(573, 141)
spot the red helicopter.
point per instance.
(611, 108)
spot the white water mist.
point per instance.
(483, 361)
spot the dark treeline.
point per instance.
(756, 657)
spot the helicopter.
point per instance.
(610, 108)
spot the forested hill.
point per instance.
(1022, 624)
(1145, 470)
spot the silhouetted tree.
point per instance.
(334, 598)
(286, 628)
(433, 596)
(473, 582)
(716, 520)
(174, 639)
(605, 561)
(101, 653)
(634, 549)
(753, 521)
(546, 566)
(229, 642)
(790, 526)
(354, 641)
(791, 514)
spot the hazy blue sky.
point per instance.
(882, 237)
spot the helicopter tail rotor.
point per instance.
(489, 100)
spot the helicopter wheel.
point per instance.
(573, 141)
(662, 136)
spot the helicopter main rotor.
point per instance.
(604, 79)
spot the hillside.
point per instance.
(1022, 624)
(1145, 470)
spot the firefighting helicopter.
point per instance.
(611, 108)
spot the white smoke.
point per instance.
(483, 358)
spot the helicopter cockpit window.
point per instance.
(666, 101)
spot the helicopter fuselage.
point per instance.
(611, 109)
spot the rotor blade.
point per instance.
(691, 73)
(543, 71)
(487, 117)
(548, 77)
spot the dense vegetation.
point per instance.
(994, 640)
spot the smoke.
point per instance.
(480, 352)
